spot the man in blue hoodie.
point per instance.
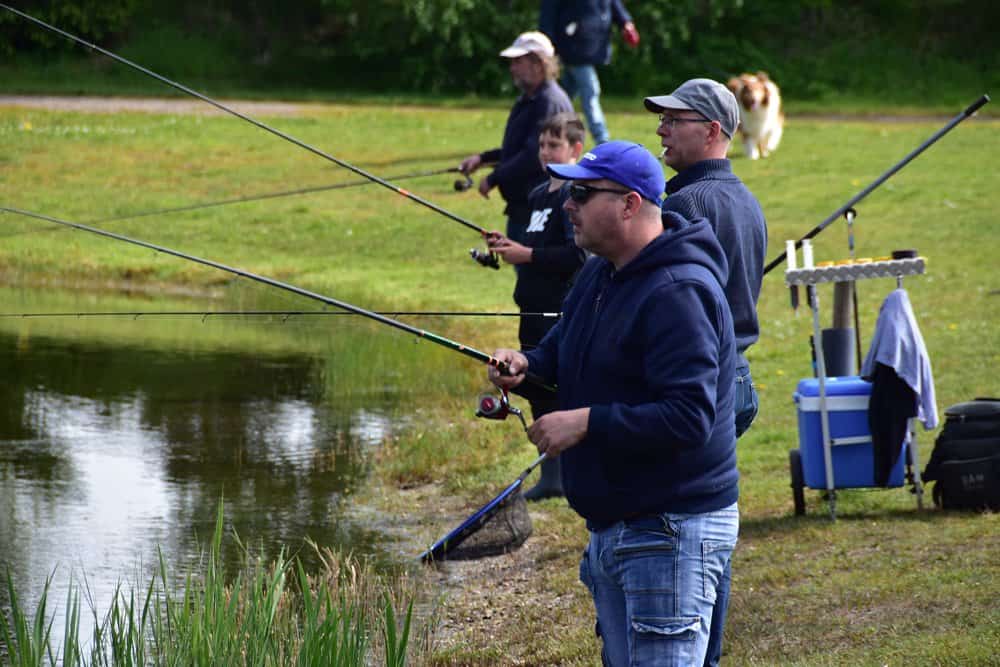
(644, 358)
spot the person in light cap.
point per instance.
(697, 122)
(643, 358)
(534, 70)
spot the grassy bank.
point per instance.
(268, 614)
(885, 584)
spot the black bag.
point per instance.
(965, 463)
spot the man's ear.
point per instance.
(576, 150)
(715, 133)
(633, 203)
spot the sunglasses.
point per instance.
(581, 193)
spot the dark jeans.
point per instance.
(746, 409)
(746, 402)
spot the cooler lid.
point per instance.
(847, 385)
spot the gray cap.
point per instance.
(709, 98)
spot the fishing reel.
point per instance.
(485, 258)
(463, 184)
(498, 408)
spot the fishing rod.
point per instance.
(494, 263)
(972, 108)
(285, 314)
(330, 301)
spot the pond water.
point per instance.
(114, 446)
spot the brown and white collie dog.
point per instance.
(761, 119)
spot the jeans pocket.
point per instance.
(644, 562)
(714, 557)
(664, 640)
(652, 536)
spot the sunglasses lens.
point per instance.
(579, 193)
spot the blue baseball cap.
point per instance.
(623, 162)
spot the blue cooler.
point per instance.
(847, 408)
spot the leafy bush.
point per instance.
(814, 48)
(91, 19)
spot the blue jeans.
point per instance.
(746, 409)
(582, 80)
(653, 580)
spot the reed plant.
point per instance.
(26, 638)
(266, 614)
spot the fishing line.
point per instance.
(285, 314)
(287, 137)
(330, 301)
(269, 195)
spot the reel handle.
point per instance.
(487, 258)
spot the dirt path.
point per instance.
(95, 104)
(151, 105)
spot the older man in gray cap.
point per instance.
(697, 122)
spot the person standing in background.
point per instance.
(580, 31)
(534, 70)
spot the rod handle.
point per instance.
(529, 377)
(537, 380)
(975, 106)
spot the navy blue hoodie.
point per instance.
(650, 349)
(579, 29)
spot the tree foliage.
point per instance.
(91, 19)
(813, 47)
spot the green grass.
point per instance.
(885, 584)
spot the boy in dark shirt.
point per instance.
(546, 262)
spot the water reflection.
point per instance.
(109, 450)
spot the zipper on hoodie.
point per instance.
(604, 289)
(593, 325)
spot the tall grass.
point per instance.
(26, 638)
(274, 613)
